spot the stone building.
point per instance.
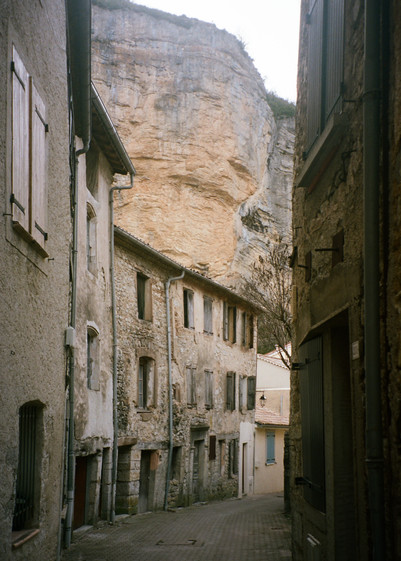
(346, 412)
(34, 274)
(94, 429)
(186, 383)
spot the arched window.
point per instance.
(91, 244)
(92, 357)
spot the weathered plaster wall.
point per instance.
(34, 290)
(93, 407)
(269, 478)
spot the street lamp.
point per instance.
(263, 399)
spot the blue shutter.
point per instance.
(270, 448)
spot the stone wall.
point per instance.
(194, 421)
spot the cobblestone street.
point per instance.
(250, 529)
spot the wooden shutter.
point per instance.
(20, 144)
(230, 396)
(270, 448)
(314, 76)
(312, 419)
(208, 388)
(188, 309)
(333, 60)
(38, 158)
(225, 321)
(208, 315)
(251, 392)
(140, 295)
(244, 328)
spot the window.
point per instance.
(312, 420)
(222, 456)
(229, 323)
(144, 297)
(247, 330)
(176, 463)
(251, 389)
(230, 391)
(92, 168)
(207, 315)
(92, 358)
(26, 506)
(189, 309)
(208, 389)
(146, 382)
(270, 448)
(90, 239)
(212, 447)
(233, 457)
(28, 166)
(325, 64)
(242, 392)
(191, 385)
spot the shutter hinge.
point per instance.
(14, 201)
(44, 234)
(13, 69)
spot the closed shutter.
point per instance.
(334, 49)
(212, 447)
(225, 321)
(39, 187)
(20, 144)
(140, 289)
(314, 77)
(251, 392)
(230, 400)
(312, 419)
(270, 447)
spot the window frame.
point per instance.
(208, 315)
(189, 312)
(144, 296)
(229, 323)
(191, 386)
(146, 383)
(209, 389)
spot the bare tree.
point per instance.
(271, 287)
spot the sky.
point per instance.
(268, 28)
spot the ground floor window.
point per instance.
(27, 484)
(270, 447)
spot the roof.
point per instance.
(125, 239)
(107, 137)
(265, 417)
(274, 357)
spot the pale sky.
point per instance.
(269, 29)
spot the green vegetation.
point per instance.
(282, 108)
(113, 4)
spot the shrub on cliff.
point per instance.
(282, 108)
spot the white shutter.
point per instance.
(39, 186)
(20, 144)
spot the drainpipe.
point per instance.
(170, 387)
(371, 190)
(71, 345)
(115, 343)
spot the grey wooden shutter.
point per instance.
(39, 175)
(334, 51)
(230, 395)
(20, 143)
(251, 392)
(312, 420)
(225, 321)
(314, 76)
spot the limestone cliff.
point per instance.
(213, 166)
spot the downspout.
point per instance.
(170, 388)
(71, 346)
(371, 190)
(115, 353)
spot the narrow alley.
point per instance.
(249, 529)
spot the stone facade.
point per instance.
(212, 417)
(34, 277)
(345, 379)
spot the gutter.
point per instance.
(115, 346)
(170, 387)
(371, 192)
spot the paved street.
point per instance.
(250, 529)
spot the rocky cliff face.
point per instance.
(213, 166)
